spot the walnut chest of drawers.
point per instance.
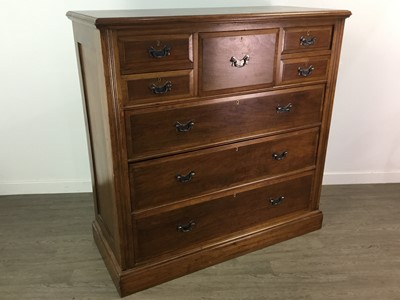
(207, 131)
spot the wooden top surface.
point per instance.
(125, 17)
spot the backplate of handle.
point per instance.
(239, 63)
(184, 127)
(307, 40)
(186, 227)
(279, 156)
(284, 109)
(276, 201)
(185, 178)
(161, 89)
(305, 71)
(159, 53)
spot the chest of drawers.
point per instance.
(207, 131)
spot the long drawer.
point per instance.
(182, 128)
(177, 230)
(166, 180)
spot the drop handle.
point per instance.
(186, 227)
(159, 53)
(284, 109)
(185, 178)
(276, 201)
(279, 156)
(239, 63)
(306, 71)
(161, 89)
(184, 127)
(307, 41)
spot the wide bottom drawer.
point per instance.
(192, 226)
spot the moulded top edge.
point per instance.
(101, 18)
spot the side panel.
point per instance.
(94, 96)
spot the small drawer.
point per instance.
(179, 128)
(158, 87)
(304, 69)
(301, 39)
(186, 176)
(189, 227)
(240, 60)
(154, 53)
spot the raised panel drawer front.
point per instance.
(154, 53)
(187, 176)
(299, 39)
(304, 69)
(158, 87)
(180, 229)
(183, 128)
(237, 59)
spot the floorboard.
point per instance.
(47, 252)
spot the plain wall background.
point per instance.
(42, 134)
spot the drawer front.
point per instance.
(155, 53)
(237, 59)
(183, 128)
(158, 87)
(304, 69)
(186, 176)
(189, 227)
(301, 39)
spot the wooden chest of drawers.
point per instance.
(207, 131)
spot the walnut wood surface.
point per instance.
(153, 133)
(220, 168)
(139, 87)
(216, 50)
(134, 52)
(220, 121)
(158, 234)
(322, 38)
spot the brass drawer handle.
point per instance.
(307, 41)
(160, 90)
(165, 51)
(280, 156)
(284, 109)
(185, 178)
(305, 72)
(186, 227)
(184, 127)
(276, 201)
(239, 63)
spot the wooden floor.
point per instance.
(47, 252)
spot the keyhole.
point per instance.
(237, 102)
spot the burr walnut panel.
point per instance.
(237, 59)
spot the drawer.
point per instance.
(299, 39)
(158, 87)
(155, 53)
(202, 172)
(243, 59)
(304, 69)
(188, 227)
(182, 128)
